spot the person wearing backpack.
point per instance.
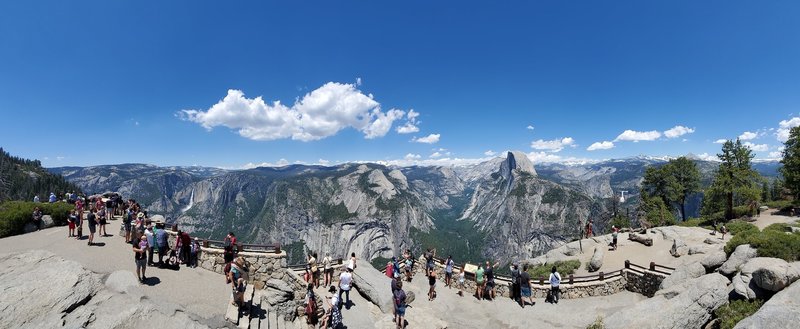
(515, 276)
(161, 243)
(400, 305)
(555, 282)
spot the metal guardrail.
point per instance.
(275, 247)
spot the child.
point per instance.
(461, 282)
(73, 219)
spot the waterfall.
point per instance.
(191, 202)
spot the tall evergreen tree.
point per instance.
(735, 180)
(685, 181)
(791, 163)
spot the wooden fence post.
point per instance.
(627, 264)
(601, 276)
(205, 243)
(541, 280)
(652, 266)
(571, 279)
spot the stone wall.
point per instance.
(263, 266)
(645, 283)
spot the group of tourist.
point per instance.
(332, 317)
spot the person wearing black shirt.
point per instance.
(91, 219)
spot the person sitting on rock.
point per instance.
(37, 218)
(333, 316)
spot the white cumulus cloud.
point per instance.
(747, 135)
(319, 114)
(529, 127)
(678, 131)
(554, 145)
(784, 126)
(604, 145)
(635, 136)
(489, 153)
(430, 139)
(757, 147)
(775, 154)
(720, 141)
(412, 156)
(411, 123)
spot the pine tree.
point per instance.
(685, 181)
(791, 163)
(735, 180)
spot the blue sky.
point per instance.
(102, 82)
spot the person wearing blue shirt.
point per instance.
(52, 197)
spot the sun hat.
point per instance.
(140, 215)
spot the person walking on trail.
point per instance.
(238, 279)
(448, 270)
(327, 264)
(345, 284)
(479, 282)
(723, 230)
(525, 286)
(515, 278)
(351, 264)
(555, 282)
(91, 219)
(489, 272)
(400, 305)
(36, 217)
(432, 284)
(140, 248)
(409, 268)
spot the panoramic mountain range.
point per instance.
(503, 208)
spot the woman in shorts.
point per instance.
(432, 284)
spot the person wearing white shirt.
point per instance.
(345, 283)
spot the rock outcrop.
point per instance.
(685, 305)
(641, 238)
(679, 248)
(781, 311)
(682, 274)
(41, 290)
(713, 260)
(597, 259)
(762, 276)
(740, 255)
(375, 287)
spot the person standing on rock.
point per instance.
(127, 220)
(352, 263)
(723, 230)
(555, 282)
(432, 284)
(461, 282)
(389, 270)
(312, 262)
(148, 233)
(345, 284)
(79, 207)
(140, 256)
(448, 270)
(489, 271)
(91, 219)
(525, 286)
(327, 264)
(102, 218)
(37, 218)
(515, 278)
(400, 305)
(614, 233)
(161, 243)
(73, 219)
(479, 282)
(238, 278)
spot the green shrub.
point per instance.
(729, 315)
(696, 222)
(769, 243)
(781, 205)
(737, 227)
(15, 214)
(563, 267)
(779, 227)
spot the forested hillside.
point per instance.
(21, 179)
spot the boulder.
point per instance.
(597, 259)
(761, 276)
(701, 249)
(741, 255)
(713, 260)
(47, 221)
(682, 274)
(689, 304)
(375, 287)
(781, 311)
(121, 281)
(278, 292)
(641, 238)
(679, 248)
(713, 241)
